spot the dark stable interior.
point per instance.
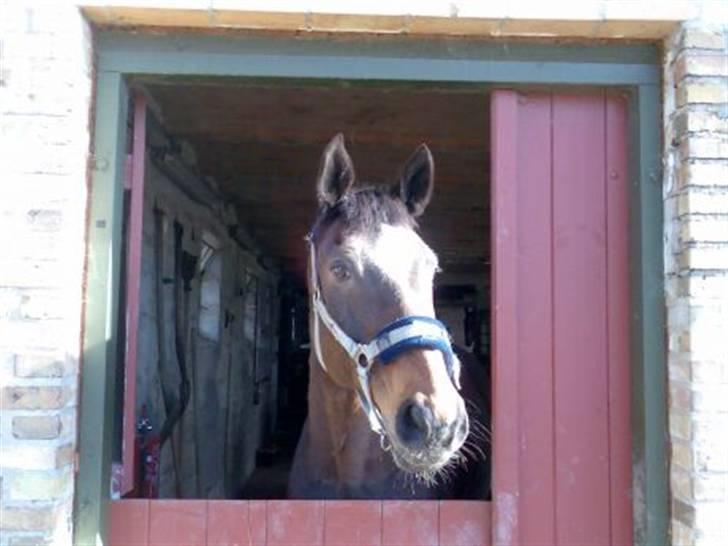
(229, 196)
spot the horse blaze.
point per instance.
(562, 436)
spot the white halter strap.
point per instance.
(361, 354)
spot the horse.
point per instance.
(386, 417)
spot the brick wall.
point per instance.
(45, 89)
(696, 235)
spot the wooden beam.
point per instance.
(481, 20)
(100, 332)
(394, 60)
(300, 115)
(648, 352)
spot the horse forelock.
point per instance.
(364, 211)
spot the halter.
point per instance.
(404, 334)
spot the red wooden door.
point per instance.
(562, 437)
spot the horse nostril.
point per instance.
(416, 414)
(414, 423)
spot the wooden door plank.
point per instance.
(177, 522)
(580, 351)
(353, 523)
(294, 523)
(129, 522)
(133, 287)
(464, 523)
(504, 272)
(618, 315)
(228, 522)
(535, 333)
(410, 523)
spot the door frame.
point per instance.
(124, 56)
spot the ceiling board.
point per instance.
(262, 145)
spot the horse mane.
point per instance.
(363, 211)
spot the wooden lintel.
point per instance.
(488, 25)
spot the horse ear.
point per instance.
(418, 180)
(336, 173)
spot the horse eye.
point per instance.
(340, 271)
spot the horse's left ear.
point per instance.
(336, 173)
(418, 180)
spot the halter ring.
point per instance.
(361, 359)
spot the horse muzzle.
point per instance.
(423, 442)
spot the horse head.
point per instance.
(373, 322)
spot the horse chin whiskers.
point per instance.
(421, 467)
(432, 477)
(424, 469)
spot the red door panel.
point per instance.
(562, 440)
(141, 522)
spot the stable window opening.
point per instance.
(229, 196)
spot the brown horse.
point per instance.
(385, 415)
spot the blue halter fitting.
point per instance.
(402, 335)
(413, 332)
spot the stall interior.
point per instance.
(230, 172)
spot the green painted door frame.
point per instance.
(123, 57)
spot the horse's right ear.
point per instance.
(417, 181)
(336, 174)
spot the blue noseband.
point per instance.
(410, 333)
